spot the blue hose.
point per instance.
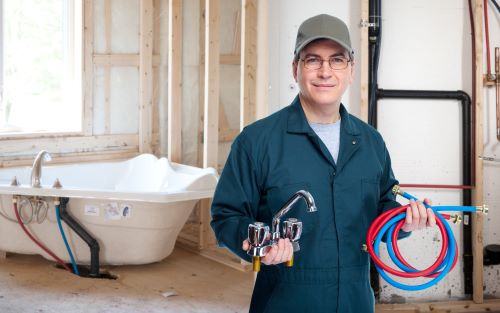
(58, 216)
(447, 263)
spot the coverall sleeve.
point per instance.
(387, 198)
(236, 200)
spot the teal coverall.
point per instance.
(279, 155)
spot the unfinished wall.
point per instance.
(425, 45)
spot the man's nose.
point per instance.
(325, 70)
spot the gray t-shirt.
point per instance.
(330, 135)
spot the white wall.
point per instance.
(425, 45)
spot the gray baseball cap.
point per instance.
(323, 26)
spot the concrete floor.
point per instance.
(29, 283)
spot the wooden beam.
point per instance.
(364, 61)
(107, 71)
(445, 307)
(211, 109)
(74, 144)
(477, 194)
(88, 67)
(201, 83)
(121, 59)
(262, 83)
(248, 81)
(211, 90)
(174, 80)
(74, 158)
(146, 76)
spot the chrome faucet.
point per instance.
(261, 240)
(311, 207)
(36, 170)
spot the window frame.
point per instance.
(74, 13)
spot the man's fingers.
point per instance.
(245, 246)
(415, 215)
(422, 211)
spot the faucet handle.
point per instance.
(292, 229)
(258, 233)
(258, 237)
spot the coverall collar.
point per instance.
(297, 121)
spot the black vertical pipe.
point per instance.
(82, 233)
(374, 41)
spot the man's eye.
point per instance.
(313, 61)
(337, 60)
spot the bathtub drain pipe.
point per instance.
(82, 233)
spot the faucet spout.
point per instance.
(311, 207)
(36, 170)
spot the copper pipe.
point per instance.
(497, 74)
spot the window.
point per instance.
(40, 66)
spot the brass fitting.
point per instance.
(456, 218)
(482, 208)
(396, 190)
(256, 264)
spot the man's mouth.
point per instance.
(323, 85)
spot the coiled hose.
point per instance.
(389, 223)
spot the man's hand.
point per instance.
(279, 253)
(418, 216)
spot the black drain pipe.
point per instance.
(82, 233)
(374, 94)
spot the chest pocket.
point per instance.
(279, 195)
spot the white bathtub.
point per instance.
(134, 208)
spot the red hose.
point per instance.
(58, 260)
(377, 225)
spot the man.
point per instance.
(314, 144)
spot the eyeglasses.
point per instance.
(315, 63)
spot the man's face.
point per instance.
(323, 88)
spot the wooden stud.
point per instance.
(201, 82)
(477, 194)
(107, 71)
(88, 68)
(248, 62)
(146, 76)
(262, 83)
(157, 148)
(211, 90)
(211, 108)
(364, 62)
(175, 80)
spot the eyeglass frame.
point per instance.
(327, 60)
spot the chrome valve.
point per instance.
(261, 239)
(292, 229)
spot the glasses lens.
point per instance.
(338, 63)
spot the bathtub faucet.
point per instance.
(36, 170)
